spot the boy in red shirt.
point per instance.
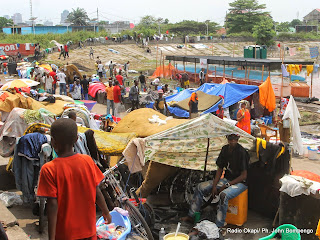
(116, 98)
(71, 185)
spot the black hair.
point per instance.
(72, 114)
(116, 82)
(64, 131)
(84, 76)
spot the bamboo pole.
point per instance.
(248, 75)
(232, 75)
(281, 94)
(311, 83)
(195, 70)
(224, 69)
(207, 72)
(184, 65)
(157, 54)
(262, 73)
(215, 73)
(245, 74)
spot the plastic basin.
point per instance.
(118, 220)
(287, 232)
(180, 236)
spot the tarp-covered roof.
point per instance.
(185, 145)
(231, 92)
(237, 61)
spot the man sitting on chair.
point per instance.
(235, 160)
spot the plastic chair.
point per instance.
(265, 135)
(284, 231)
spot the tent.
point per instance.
(163, 71)
(231, 92)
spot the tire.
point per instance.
(178, 187)
(138, 223)
(41, 215)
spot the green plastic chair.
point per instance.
(284, 234)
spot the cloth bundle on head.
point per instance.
(193, 97)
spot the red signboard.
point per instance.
(25, 49)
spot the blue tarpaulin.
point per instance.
(231, 92)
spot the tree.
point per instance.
(5, 22)
(264, 32)
(78, 17)
(243, 15)
(283, 27)
(190, 27)
(295, 22)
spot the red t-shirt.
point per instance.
(73, 181)
(66, 48)
(116, 93)
(120, 79)
(220, 114)
(54, 76)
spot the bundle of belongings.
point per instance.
(109, 231)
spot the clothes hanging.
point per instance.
(309, 69)
(284, 71)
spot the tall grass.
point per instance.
(44, 39)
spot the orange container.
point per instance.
(299, 89)
(238, 209)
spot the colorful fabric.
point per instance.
(185, 145)
(65, 179)
(267, 96)
(193, 97)
(309, 69)
(95, 87)
(244, 123)
(283, 105)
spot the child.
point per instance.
(71, 185)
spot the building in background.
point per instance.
(48, 23)
(64, 16)
(307, 28)
(17, 18)
(6, 16)
(313, 17)
(117, 27)
(48, 29)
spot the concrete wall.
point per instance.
(51, 29)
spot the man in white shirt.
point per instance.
(100, 70)
(61, 76)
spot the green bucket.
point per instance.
(287, 232)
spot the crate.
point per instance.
(299, 89)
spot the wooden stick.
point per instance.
(224, 69)
(207, 72)
(262, 73)
(311, 83)
(215, 72)
(206, 159)
(157, 54)
(185, 43)
(184, 65)
(249, 74)
(195, 70)
(232, 74)
(234, 44)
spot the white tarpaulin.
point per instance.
(292, 113)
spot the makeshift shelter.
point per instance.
(16, 123)
(164, 71)
(137, 122)
(231, 92)
(188, 144)
(108, 143)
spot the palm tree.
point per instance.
(78, 17)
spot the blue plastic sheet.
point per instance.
(231, 92)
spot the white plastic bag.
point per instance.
(10, 198)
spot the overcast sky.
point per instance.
(133, 10)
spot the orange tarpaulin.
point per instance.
(164, 71)
(267, 96)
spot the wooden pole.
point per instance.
(212, 47)
(248, 75)
(184, 65)
(224, 69)
(262, 73)
(157, 54)
(195, 70)
(232, 75)
(163, 66)
(215, 73)
(245, 74)
(281, 95)
(311, 83)
(206, 159)
(207, 72)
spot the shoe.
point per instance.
(223, 231)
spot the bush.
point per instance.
(302, 36)
(240, 35)
(44, 39)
